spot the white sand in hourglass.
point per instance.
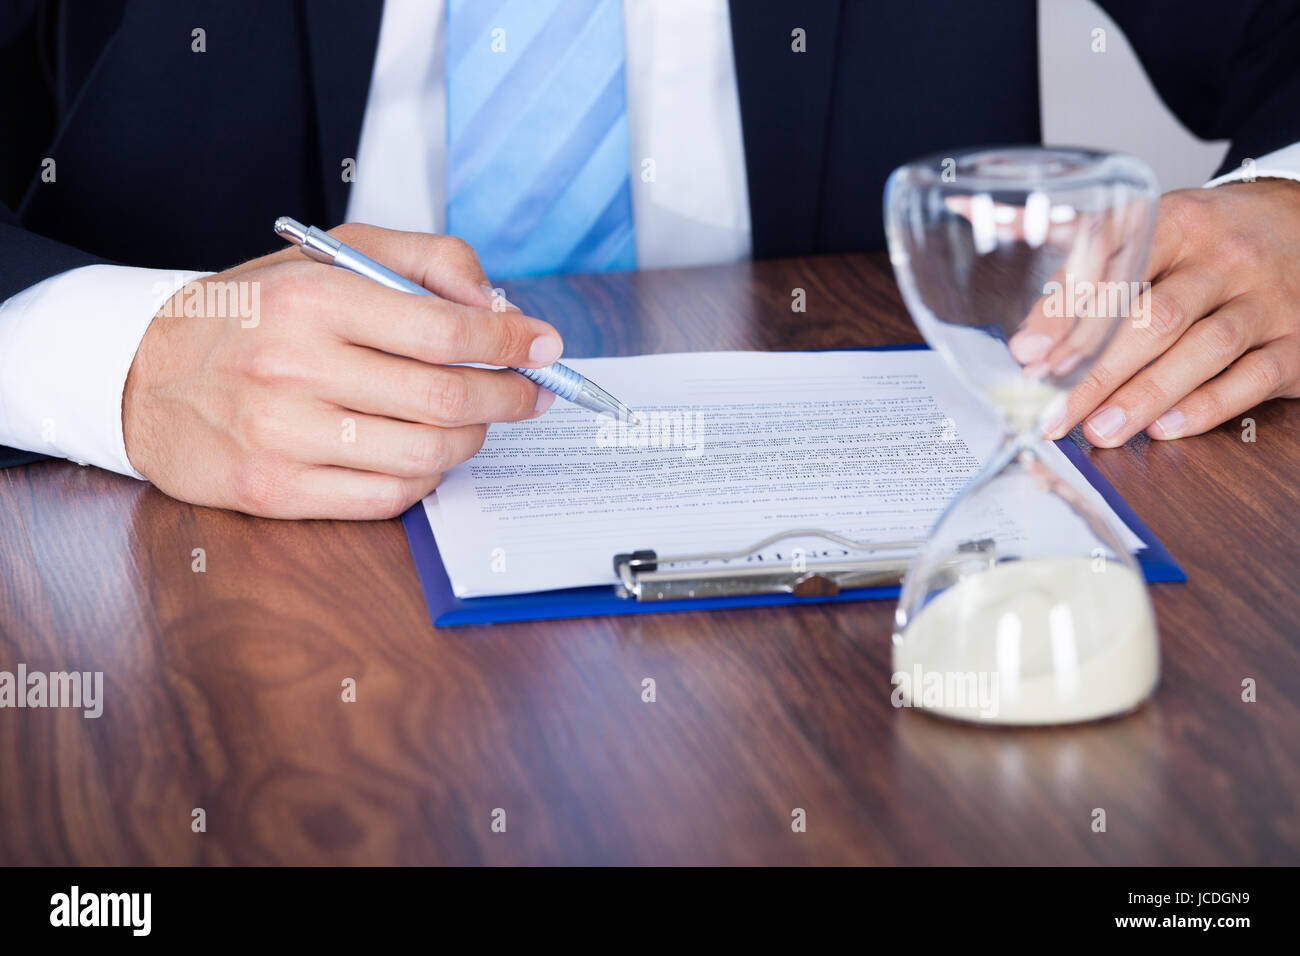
(1069, 639)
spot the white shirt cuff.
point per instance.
(1282, 163)
(66, 346)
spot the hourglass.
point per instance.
(1018, 266)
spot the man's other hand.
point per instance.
(1224, 323)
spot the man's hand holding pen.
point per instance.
(344, 399)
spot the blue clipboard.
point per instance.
(447, 610)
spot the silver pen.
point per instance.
(560, 379)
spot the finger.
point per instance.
(1047, 324)
(433, 330)
(445, 265)
(1104, 245)
(350, 439)
(1074, 317)
(377, 383)
(1167, 240)
(343, 493)
(1172, 305)
(1205, 350)
(324, 491)
(1255, 377)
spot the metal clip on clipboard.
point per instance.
(641, 575)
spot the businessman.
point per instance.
(145, 148)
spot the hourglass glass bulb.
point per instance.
(1018, 268)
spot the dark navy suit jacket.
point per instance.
(175, 159)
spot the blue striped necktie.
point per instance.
(537, 140)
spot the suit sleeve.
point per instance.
(1228, 70)
(27, 122)
(26, 259)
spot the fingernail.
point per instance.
(545, 349)
(496, 298)
(1107, 421)
(1054, 420)
(1030, 348)
(1068, 364)
(545, 399)
(1169, 424)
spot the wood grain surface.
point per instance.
(223, 688)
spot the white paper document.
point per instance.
(735, 446)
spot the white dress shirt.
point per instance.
(67, 343)
(690, 202)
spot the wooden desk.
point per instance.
(223, 688)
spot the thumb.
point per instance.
(445, 265)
